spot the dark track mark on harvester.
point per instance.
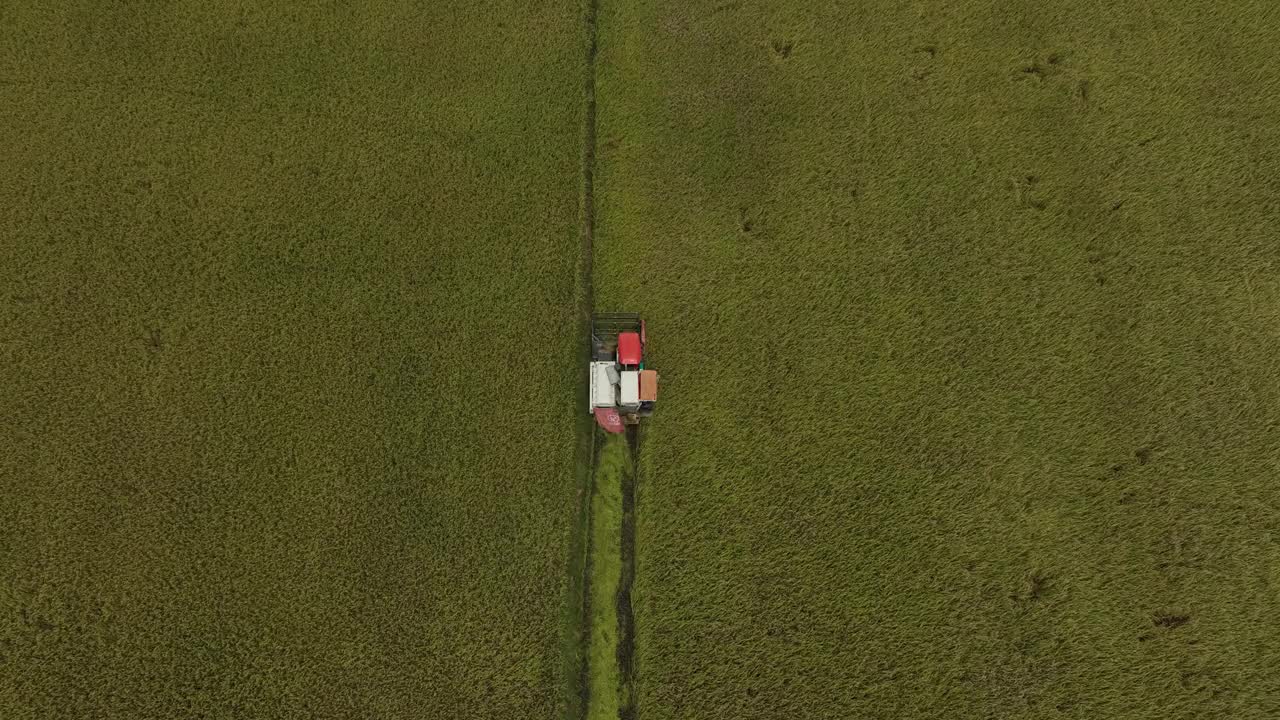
(626, 616)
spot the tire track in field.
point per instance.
(589, 441)
(626, 617)
(587, 436)
(592, 10)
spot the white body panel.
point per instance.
(603, 392)
(630, 390)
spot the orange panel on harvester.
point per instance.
(648, 385)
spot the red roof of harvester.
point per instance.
(629, 348)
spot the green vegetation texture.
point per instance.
(289, 358)
(968, 319)
(605, 685)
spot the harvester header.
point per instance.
(621, 390)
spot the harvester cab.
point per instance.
(621, 389)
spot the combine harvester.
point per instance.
(621, 390)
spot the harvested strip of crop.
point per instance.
(606, 571)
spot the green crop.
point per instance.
(966, 315)
(289, 358)
(604, 686)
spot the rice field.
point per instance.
(967, 315)
(276, 439)
(967, 321)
